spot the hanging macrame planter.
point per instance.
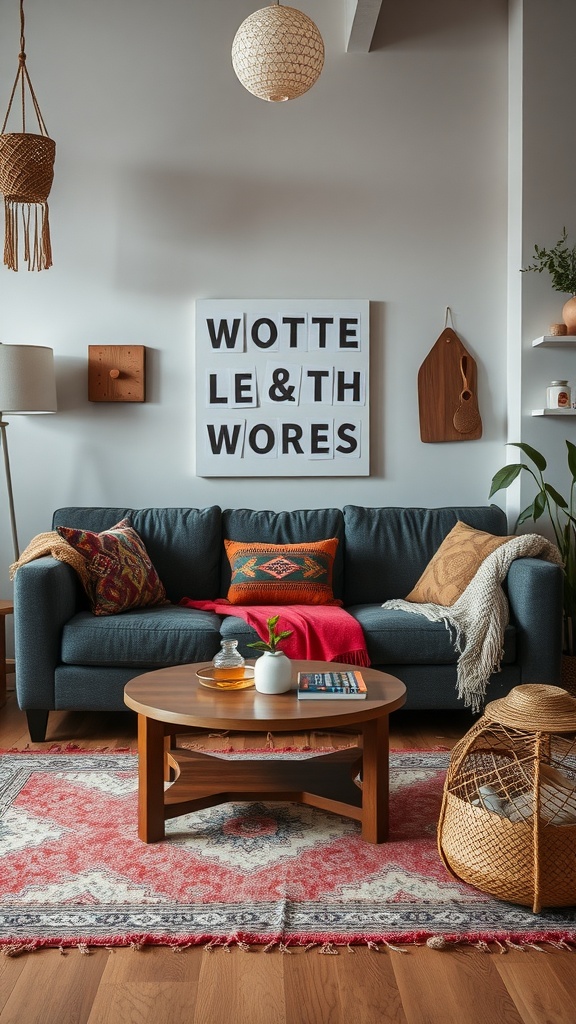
(26, 174)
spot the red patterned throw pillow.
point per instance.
(120, 573)
(281, 573)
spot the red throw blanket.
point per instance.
(320, 632)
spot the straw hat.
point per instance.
(533, 707)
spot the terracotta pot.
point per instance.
(569, 314)
(272, 672)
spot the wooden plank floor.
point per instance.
(196, 986)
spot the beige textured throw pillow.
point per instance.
(454, 565)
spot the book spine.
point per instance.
(310, 695)
(330, 689)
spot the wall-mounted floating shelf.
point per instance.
(559, 340)
(555, 339)
(554, 412)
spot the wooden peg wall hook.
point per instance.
(116, 373)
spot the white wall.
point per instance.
(546, 185)
(387, 181)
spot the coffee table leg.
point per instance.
(375, 780)
(150, 779)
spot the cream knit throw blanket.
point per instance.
(478, 618)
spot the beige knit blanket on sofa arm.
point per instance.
(478, 618)
(51, 544)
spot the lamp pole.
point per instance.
(4, 442)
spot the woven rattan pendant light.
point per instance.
(278, 53)
(26, 173)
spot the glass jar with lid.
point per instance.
(228, 663)
(558, 395)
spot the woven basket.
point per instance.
(508, 818)
(26, 166)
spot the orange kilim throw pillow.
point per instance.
(281, 573)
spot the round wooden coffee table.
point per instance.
(171, 701)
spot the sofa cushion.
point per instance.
(184, 544)
(285, 528)
(454, 565)
(281, 573)
(387, 549)
(147, 638)
(397, 637)
(120, 573)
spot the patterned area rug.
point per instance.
(73, 871)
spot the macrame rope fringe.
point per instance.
(35, 235)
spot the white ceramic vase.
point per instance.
(272, 672)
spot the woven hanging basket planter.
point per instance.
(278, 53)
(508, 818)
(26, 175)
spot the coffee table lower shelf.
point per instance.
(328, 781)
(325, 781)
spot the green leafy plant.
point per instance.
(275, 638)
(562, 515)
(560, 262)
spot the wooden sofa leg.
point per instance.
(37, 724)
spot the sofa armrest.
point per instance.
(535, 593)
(46, 594)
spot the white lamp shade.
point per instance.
(27, 379)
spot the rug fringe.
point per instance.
(503, 945)
(328, 949)
(18, 948)
(287, 946)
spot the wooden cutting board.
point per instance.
(447, 396)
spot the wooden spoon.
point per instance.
(466, 418)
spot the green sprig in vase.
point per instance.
(272, 670)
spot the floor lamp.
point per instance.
(27, 385)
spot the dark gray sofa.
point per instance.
(67, 658)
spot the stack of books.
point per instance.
(331, 686)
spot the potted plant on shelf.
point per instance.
(560, 262)
(272, 671)
(562, 515)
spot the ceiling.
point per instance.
(361, 18)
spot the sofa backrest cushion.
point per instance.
(387, 549)
(285, 528)
(184, 544)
